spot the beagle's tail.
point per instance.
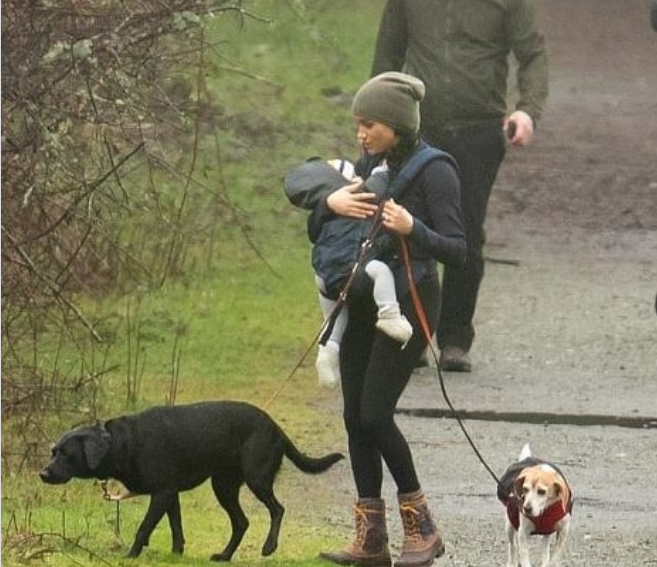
(525, 453)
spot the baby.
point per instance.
(389, 317)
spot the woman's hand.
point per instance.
(396, 218)
(349, 201)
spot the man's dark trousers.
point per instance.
(479, 151)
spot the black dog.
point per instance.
(165, 450)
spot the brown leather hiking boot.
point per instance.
(422, 541)
(370, 548)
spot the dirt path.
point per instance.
(572, 328)
(594, 163)
(569, 326)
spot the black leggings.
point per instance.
(375, 372)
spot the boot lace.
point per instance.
(411, 518)
(360, 513)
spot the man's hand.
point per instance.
(519, 128)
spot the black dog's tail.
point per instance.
(312, 465)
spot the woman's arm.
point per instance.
(348, 201)
(437, 229)
(351, 201)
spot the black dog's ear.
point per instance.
(96, 445)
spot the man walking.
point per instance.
(461, 50)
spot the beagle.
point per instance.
(538, 501)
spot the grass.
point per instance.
(234, 330)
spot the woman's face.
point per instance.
(375, 137)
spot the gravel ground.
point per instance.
(566, 323)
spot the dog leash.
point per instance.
(419, 309)
(377, 223)
(422, 317)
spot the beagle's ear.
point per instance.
(559, 487)
(517, 487)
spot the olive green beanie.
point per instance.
(391, 98)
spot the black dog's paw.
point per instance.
(136, 549)
(220, 557)
(268, 548)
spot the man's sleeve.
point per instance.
(528, 46)
(392, 39)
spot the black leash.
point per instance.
(377, 223)
(419, 309)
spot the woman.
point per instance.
(374, 369)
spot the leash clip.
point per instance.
(114, 490)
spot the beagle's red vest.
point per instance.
(545, 524)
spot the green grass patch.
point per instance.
(234, 326)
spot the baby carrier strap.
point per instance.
(414, 165)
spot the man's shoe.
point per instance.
(454, 359)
